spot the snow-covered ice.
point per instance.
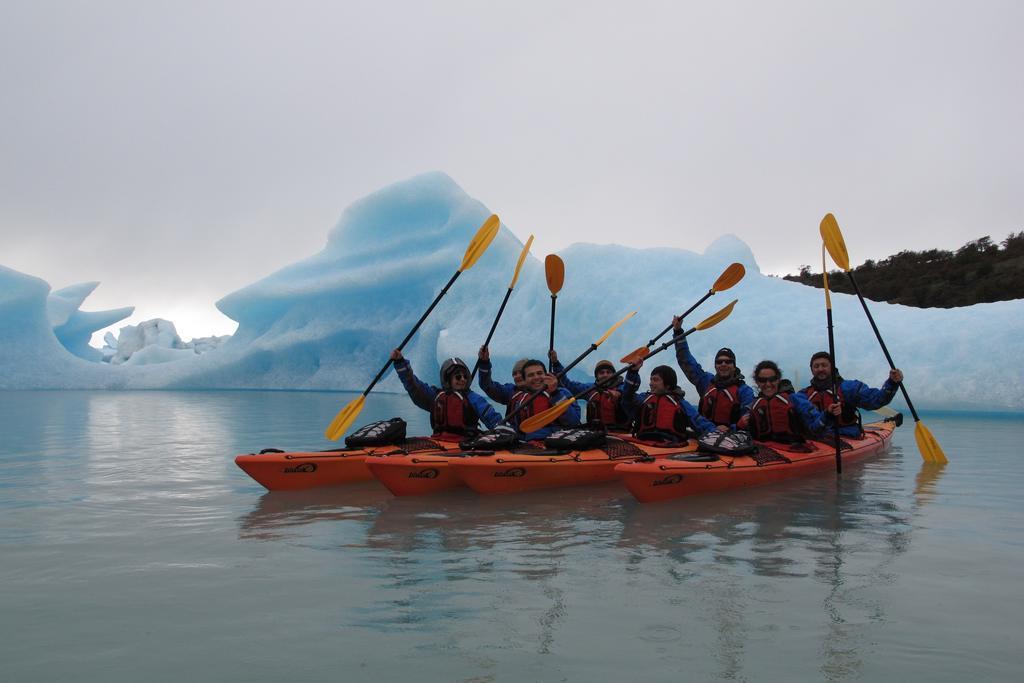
(329, 321)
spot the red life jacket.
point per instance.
(662, 413)
(539, 404)
(824, 398)
(452, 413)
(721, 405)
(603, 406)
(774, 419)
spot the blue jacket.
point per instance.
(632, 400)
(703, 380)
(423, 395)
(815, 421)
(859, 395)
(502, 393)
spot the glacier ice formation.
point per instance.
(328, 322)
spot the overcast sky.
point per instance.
(177, 151)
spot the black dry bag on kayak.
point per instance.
(501, 438)
(381, 433)
(726, 443)
(576, 439)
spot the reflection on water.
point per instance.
(132, 544)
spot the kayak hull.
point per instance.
(668, 478)
(279, 470)
(415, 474)
(517, 472)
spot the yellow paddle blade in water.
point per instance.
(344, 419)
(729, 277)
(834, 242)
(554, 271)
(542, 419)
(612, 329)
(713, 320)
(481, 240)
(930, 449)
(522, 257)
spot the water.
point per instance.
(132, 548)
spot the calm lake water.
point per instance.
(133, 549)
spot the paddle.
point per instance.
(501, 309)
(554, 272)
(832, 356)
(593, 347)
(833, 238)
(729, 277)
(477, 246)
(532, 424)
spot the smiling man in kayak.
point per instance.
(662, 414)
(853, 394)
(783, 416)
(455, 411)
(604, 405)
(724, 396)
(537, 378)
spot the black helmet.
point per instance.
(448, 367)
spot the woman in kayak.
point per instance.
(724, 396)
(662, 414)
(783, 416)
(604, 404)
(497, 392)
(455, 411)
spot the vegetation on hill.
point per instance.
(981, 271)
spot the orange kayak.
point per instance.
(416, 474)
(675, 477)
(279, 470)
(531, 469)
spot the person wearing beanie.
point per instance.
(498, 392)
(602, 399)
(455, 411)
(724, 395)
(662, 414)
(852, 393)
(782, 416)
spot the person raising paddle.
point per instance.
(724, 395)
(662, 414)
(498, 392)
(853, 394)
(455, 411)
(603, 401)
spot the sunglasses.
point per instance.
(459, 375)
(723, 361)
(765, 380)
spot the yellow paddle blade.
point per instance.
(344, 419)
(713, 320)
(930, 449)
(522, 257)
(729, 277)
(481, 240)
(613, 328)
(532, 424)
(554, 271)
(824, 276)
(635, 356)
(834, 242)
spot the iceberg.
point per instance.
(329, 321)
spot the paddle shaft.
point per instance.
(881, 343)
(494, 326)
(413, 331)
(835, 389)
(551, 337)
(538, 392)
(690, 310)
